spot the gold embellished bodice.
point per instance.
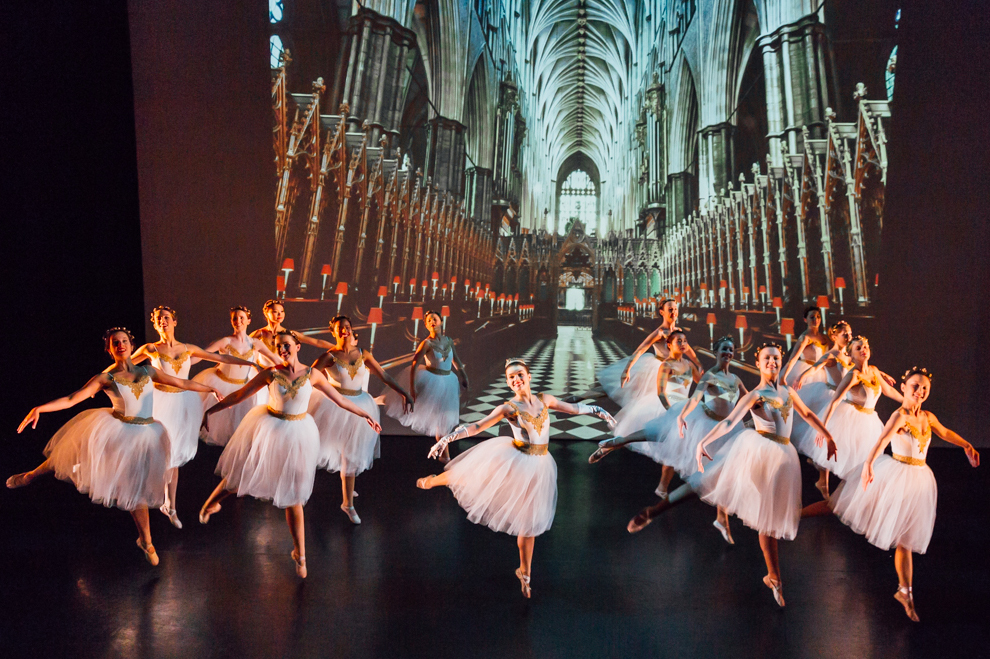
(528, 428)
(437, 358)
(289, 395)
(864, 394)
(177, 366)
(913, 440)
(720, 393)
(678, 385)
(234, 371)
(781, 413)
(817, 348)
(132, 399)
(350, 376)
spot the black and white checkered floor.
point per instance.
(562, 367)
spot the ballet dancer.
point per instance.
(274, 312)
(119, 456)
(809, 349)
(432, 384)
(274, 452)
(228, 378)
(509, 484)
(851, 416)
(756, 476)
(347, 444)
(179, 411)
(891, 500)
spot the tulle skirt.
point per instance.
(347, 443)
(855, 434)
(116, 463)
(505, 489)
(896, 509)
(182, 414)
(637, 414)
(272, 458)
(757, 480)
(437, 408)
(224, 423)
(817, 397)
(680, 452)
(642, 379)
(821, 375)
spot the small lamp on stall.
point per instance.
(280, 286)
(745, 296)
(288, 265)
(742, 326)
(710, 319)
(374, 319)
(324, 272)
(787, 329)
(777, 304)
(763, 296)
(395, 288)
(467, 288)
(480, 297)
(491, 303)
(515, 301)
(823, 305)
(443, 292)
(453, 287)
(687, 295)
(382, 292)
(417, 315)
(341, 292)
(704, 293)
(444, 314)
(501, 303)
(840, 284)
(435, 278)
(722, 286)
(425, 284)
(412, 288)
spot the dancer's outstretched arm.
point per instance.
(817, 366)
(320, 382)
(650, 339)
(848, 380)
(420, 349)
(198, 353)
(814, 422)
(578, 408)
(462, 431)
(90, 389)
(891, 428)
(953, 438)
(257, 383)
(180, 383)
(459, 365)
(886, 386)
(376, 368)
(310, 341)
(795, 357)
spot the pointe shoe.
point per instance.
(523, 582)
(724, 530)
(661, 492)
(351, 513)
(18, 480)
(905, 596)
(639, 522)
(172, 515)
(823, 490)
(777, 588)
(605, 447)
(300, 562)
(149, 552)
(204, 513)
(424, 482)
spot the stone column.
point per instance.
(445, 155)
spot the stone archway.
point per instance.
(575, 268)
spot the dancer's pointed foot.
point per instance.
(823, 489)
(605, 447)
(905, 596)
(300, 562)
(172, 515)
(204, 514)
(777, 588)
(426, 482)
(523, 582)
(639, 522)
(19, 480)
(149, 552)
(724, 530)
(351, 513)
(661, 492)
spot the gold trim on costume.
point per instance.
(535, 421)
(230, 380)
(914, 462)
(531, 449)
(438, 371)
(175, 362)
(710, 413)
(349, 392)
(136, 387)
(810, 362)
(784, 408)
(352, 369)
(773, 437)
(286, 417)
(291, 386)
(240, 355)
(168, 389)
(135, 420)
(859, 408)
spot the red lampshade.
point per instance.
(787, 326)
(741, 322)
(778, 303)
(453, 282)
(487, 286)
(840, 282)
(502, 296)
(477, 284)
(745, 290)
(492, 295)
(382, 290)
(723, 284)
(516, 297)
(444, 311)
(762, 290)
(687, 289)
(635, 299)
(280, 284)
(375, 315)
(467, 282)
(424, 283)
(444, 287)
(417, 313)
(397, 280)
(436, 275)
(288, 264)
(412, 281)
(710, 319)
(822, 302)
(703, 286)
(341, 288)
(325, 270)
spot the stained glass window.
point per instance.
(274, 10)
(578, 201)
(275, 48)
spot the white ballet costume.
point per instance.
(680, 452)
(644, 414)
(817, 396)
(642, 377)
(274, 452)
(756, 476)
(347, 443)
(509, 484)
(117, 456)
(437, 408)
(226, 378)
(803, 365)
(855, 429)
(179, 410)
(898, 507)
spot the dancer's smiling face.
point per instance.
(725, 351)
(670, 311)
(286, 346)
(239, 320)
(769, 361)
(164, 321)
(517, 377)
(342, 330)
(119, 345)
(916, 389)
(275, 314)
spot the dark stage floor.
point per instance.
(417, 579)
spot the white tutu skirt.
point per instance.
(347, 443)
(680, 452)
(505, 489)
(272, 458)
(437, 409)
(646, 413)
(896, 509)
(637, 414)
(757, 480)
(821, 375)
(855, 434)
(182, 414)
(642, 379)
(223, 423)
(817, 397)
(116, 463)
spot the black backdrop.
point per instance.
(72, 233)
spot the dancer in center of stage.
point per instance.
(347, 444)
(756, 477)
(119, 456)
(432, 384)
(274, 312)
(809, 349)
(509, 484)
(273, 454)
